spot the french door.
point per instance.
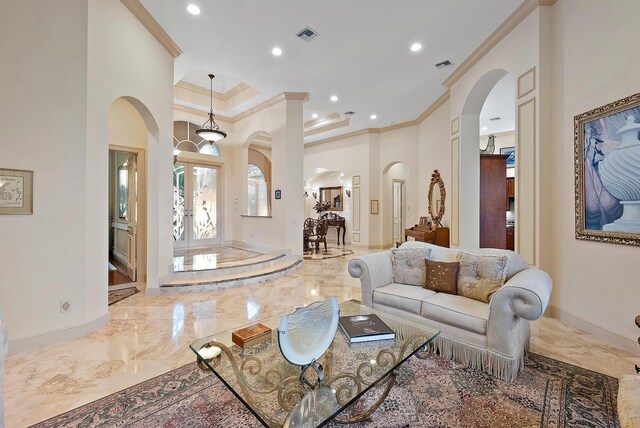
(196, 205)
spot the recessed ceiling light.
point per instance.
(277, 51)
(484, 128)
(334, 98)
(314, 116)
(193, 9)
(416, 47)
(373, 117)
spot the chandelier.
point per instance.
(210, 130)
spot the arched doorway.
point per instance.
(132, 129)
(394, 201)
(469, 162)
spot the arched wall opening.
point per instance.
(132, 132)
(469, 159)
(252, 152)
(326, 179)
(393, 204)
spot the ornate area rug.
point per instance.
(428, 393)
(329, 254)
(116, 295)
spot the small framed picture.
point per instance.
(374, 206)
(424, 221)
(16, 191)
(511, 160)
(278, 194)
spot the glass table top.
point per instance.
(270, 387)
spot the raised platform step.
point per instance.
(263, 261)
(219, 279)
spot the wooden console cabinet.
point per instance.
(433, 235)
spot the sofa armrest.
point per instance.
(526, 295)
(522, 299)
(374, 270)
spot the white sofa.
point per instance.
(492, 337)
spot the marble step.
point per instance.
(264, 261)
(218, 282)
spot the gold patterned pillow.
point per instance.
(481, 276)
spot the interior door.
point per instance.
(196, 206)
(132, 216)
(398, 211)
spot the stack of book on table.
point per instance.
(365, 328)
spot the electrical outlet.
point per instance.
(65, 307)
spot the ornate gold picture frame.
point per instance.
(607, 173)
(16, 191)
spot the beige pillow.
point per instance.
(481, 276)
(408, 265)
(442, 277)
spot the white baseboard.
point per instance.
(610, 337)
(44, 339)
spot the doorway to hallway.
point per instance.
(196, 206)
(123, 217)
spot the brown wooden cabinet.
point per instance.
(433, 235)
(493, 194)
(511, 190)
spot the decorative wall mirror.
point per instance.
(436, 197)
(333, 195)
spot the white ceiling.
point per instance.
(361, 55)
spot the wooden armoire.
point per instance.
(493, 194)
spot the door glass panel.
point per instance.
(205, 184)
(178, 203)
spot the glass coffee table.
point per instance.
(271, 388)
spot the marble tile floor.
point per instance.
(149, 335)
(210, 258)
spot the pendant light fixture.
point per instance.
(210, 130)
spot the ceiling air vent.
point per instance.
(307, 34)
(349, 113)
(444, 64)
(495, 118)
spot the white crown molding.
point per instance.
(240, 87)
(321, 120)
(501, 32)
(328, 127)
(417, 121)
(145, 18)
(201, 113)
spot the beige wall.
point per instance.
(83, 62)
(350, 157)
(43, 255)
(282, 121)
(116, 69)
(594, 63)
(434, 152)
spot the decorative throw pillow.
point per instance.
(408, 265)
(481, 276)
(442, 276)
